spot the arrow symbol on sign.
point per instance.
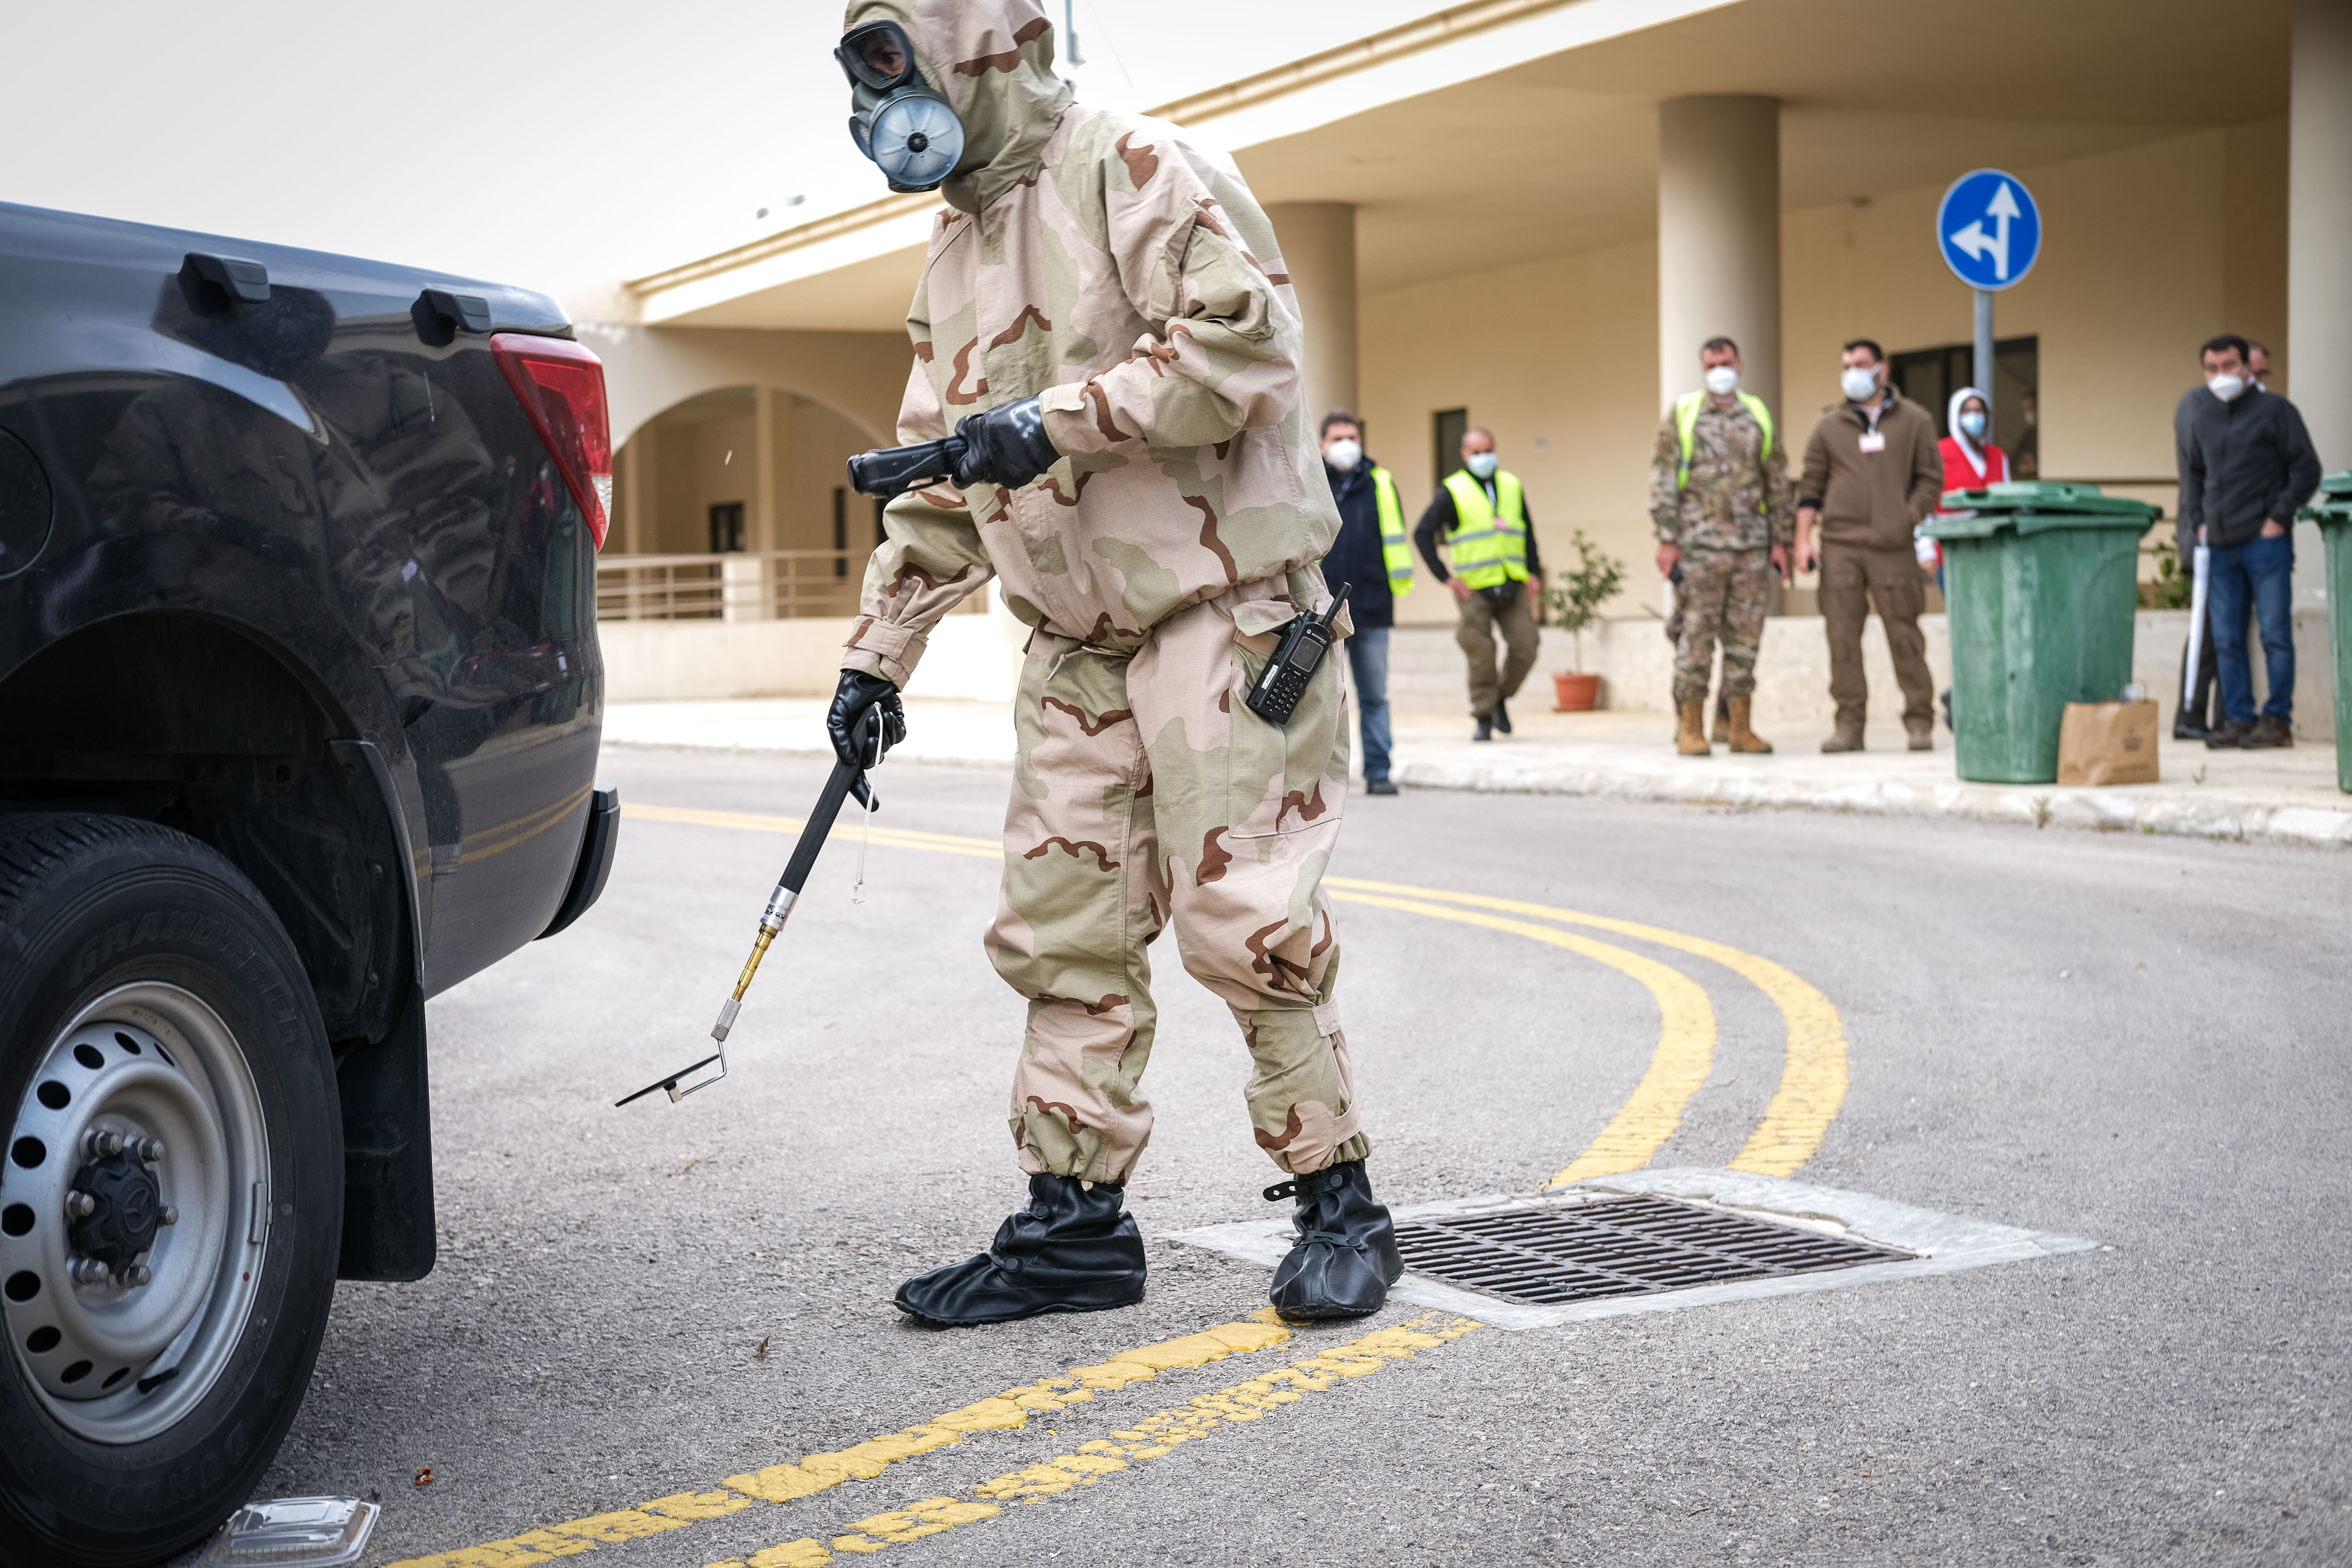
(1977, 242)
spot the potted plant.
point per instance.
(1574, 599)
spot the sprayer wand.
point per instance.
(844, 781)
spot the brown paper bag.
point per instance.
(2108, 743)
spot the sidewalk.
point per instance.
(2288, 796)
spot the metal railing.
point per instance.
(742, 585)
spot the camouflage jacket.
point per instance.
(1731, 501)
(1134, 283)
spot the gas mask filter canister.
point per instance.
(910, 132)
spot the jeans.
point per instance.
(2259, 569)
(1368, 666)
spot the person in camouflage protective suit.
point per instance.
(1719, 498)
(1111, 302)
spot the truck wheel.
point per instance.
(171, 1191)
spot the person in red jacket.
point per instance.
(1970, 462)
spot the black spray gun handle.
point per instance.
(893, 470)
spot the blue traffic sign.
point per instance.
(1989, 230)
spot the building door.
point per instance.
(1929, 377)
(726, 527)
(1446, 429)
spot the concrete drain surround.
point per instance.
(1901, 1241)
(1624, 1246)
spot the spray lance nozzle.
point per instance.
(844, 783)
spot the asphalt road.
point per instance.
(2135, 1040)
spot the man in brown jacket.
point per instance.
(1872, 473)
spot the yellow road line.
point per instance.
(1153, 1437)
(1813, 1076)
(754, 822)
(1009, 1411)
(1686, 1038)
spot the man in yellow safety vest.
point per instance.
(1719, 499)
(1372, 556)
(1481, 513)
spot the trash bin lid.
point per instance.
(2036, 506)
(2335, 504)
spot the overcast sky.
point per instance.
(554, 146)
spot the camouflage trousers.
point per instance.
(1724, 595)
(1145, 795)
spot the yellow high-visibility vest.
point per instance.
(1488, 540)
(1686, 409)
(1396, 548)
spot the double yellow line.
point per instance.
(1813, 1075)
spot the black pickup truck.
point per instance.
(299, 698)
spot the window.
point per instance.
(841, 529)
(726, 527)
(1448, 427)
(1930, 377)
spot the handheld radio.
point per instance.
(1305, 641)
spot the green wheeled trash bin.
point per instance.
(2334, 515)
(2041, 583)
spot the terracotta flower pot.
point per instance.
(1578, 693)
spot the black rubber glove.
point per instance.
(1005, 446)
(858, 695)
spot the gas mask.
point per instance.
(910, 132)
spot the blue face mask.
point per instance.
(1482, 464)
(1974, 424)
(911, 132)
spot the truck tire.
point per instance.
(171, 1191)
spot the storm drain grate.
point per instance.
(1617, 1246)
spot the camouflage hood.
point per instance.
(993, 61)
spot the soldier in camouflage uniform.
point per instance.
(1719, 496)
(1103, 316)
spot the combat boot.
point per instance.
(1346, 1256)
(1071, 1250)
(1744, 738)
(1690, 738)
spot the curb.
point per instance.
(2104, 810)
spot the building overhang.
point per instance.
(1503, 131)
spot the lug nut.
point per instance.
(80, 1204)
(87, 1272)
(169, 1216)
(148, 1150)
(102, 1142)
(137, 1274)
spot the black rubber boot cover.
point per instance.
(1073, 1250)
(1346, 1257)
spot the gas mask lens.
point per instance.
(877, 56)
(910, 132)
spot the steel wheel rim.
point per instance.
(112, 1360)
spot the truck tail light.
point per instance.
(561, 386)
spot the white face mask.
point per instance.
(1344, 455)
(1481, 465)
(1858, 384)
(1722, 380)
(1973, 422)
(2225, 386)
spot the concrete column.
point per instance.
(1719, 239)
(2318, 241)
(1319, 249)
(636, 492)
(760, 528)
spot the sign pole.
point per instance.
(1984, 354)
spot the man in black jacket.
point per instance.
(2246, 464)
(1371, 556)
